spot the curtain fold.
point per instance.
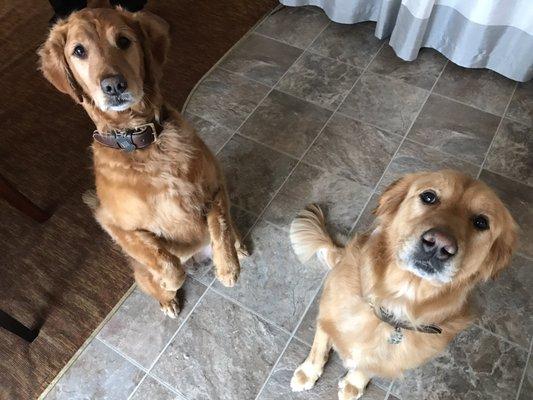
(493, 34)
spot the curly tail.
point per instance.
(309, 237)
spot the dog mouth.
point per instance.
(120, 103)
(430, 269)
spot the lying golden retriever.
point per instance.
(398, 295)
(160, 192)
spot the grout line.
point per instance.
(389, 390)
(149, 370)
(528, 360)
(122, 354)
(469, 105)
(497, 131)
(89, 340)
(527, 257)
(268, 92)
(292, 336)
(235, 45)
(497, 335)
(248, 309)
(399, 146)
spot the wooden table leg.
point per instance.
(14, 326)
(21, 202)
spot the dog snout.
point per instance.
(438, 243)
(114, 85)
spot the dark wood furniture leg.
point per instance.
(21, 202)
(14, 326)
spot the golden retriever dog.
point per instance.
(396, 296)
(160, 193)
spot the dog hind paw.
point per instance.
(228, 278)
(171, 309)
(348, 391)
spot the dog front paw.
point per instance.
(171, 309)
(348, 391)
(228, 278)
(304, 378)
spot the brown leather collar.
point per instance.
(130, 139)
(389, 317)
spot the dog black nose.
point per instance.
(439, 244)
(114, 85)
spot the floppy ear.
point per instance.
(392, 197)
(156, 42)
(502, 249)
(54, 65)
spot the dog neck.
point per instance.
(407, 296)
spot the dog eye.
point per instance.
(481, 222)
(123, 42)
(429, 197)
(79, 51)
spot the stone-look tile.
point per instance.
(414, 157)
(519, 199)
(483, 89)
(476, 365)
(285, 123)
(260, 58)
(99, 373)
(222, 352)
(306, 330)
(273, 282)
(243, 220)
(387, 103)
(320, 80)
(341, 199)
(526, 392)
(213, 135)
(354, 150)
(422, 72)
(353, 44)
(454, 128)
(511, 153)
(506, 304)
(367, 218)
(521, 106)
(150, 389)
(278, 385)
(140, 330)
(253, 172)
(297, 26)
(226, 98)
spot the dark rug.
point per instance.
(65, 275)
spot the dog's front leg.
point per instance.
(149, 250)
(223, 240)
(353, 385)
(306, 375)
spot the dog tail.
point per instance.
(309, 237)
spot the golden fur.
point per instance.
(161, 204)
(368, 271)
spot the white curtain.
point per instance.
(494, 34)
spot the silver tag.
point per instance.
(396, 336)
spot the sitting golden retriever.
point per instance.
(160, 192)
(398, 295)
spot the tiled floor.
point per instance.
(307, 110)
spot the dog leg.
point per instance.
(167, 298)
(306, 374)
(149, 250)
(223, 238)
(353, 385)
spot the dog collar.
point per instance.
(399, 325)
(129, 139)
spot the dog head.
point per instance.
(108, 57)
(445, 227)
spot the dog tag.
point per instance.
(125, 144)
(396, 336)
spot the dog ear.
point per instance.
(503, 247)
(54, 66)
(392, 197)
(156, 41)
